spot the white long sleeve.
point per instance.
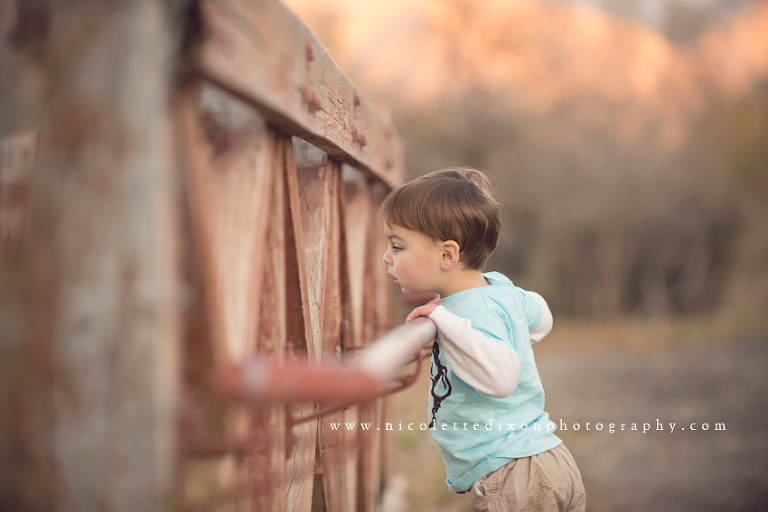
(488, 365)
(541, 330)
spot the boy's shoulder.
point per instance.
(497, 278)
(496, 297)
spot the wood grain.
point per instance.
(268, 462)
(107, 191)
(333, 443)
(302, 438)
(358, 225)
(262, 52)
(229, 181)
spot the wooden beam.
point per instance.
(263, 53)
(106, 196)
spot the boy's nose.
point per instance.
(385, 256)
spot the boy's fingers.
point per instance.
(414, 314)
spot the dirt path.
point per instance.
(664, 470)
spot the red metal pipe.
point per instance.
(404, 382)
(363, 377)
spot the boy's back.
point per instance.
(497, 429)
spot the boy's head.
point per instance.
(453, 204)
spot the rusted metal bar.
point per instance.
(361, 379)
(215, 446)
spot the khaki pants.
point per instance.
(546, 482)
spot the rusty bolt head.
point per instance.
(311, 98)
(357, 100)
(358, 137)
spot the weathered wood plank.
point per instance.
(301, 462)
(358, 223)
(315, 182)
(204, 415)
(106, 191)
(352, 456)
(300, 337)
(262, 52)
(235, 177)
(302, 438)
(333, 444)
(352, 247)
(229, 187)
(331, 463)
(268, 462)
(383, 285)
(370, 456)
(383, 289)
(361, 223)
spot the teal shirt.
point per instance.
(475, 434)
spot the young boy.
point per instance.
(486, 401)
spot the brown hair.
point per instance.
(453, 204)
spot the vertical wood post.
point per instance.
(106, 189)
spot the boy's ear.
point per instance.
(450, 254)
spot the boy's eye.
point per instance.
(396, 248)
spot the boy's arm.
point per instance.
(486, 364)
(545, 325)
(537, 314)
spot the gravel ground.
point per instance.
(664, 470)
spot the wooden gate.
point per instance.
(204, 195)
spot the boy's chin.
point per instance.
(418, 298)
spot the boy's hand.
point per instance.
(424, 310)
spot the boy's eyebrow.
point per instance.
(392, 237)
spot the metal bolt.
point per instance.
(311, 98)
(358, 137)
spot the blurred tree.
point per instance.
(602, 227)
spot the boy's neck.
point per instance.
(463, 280)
